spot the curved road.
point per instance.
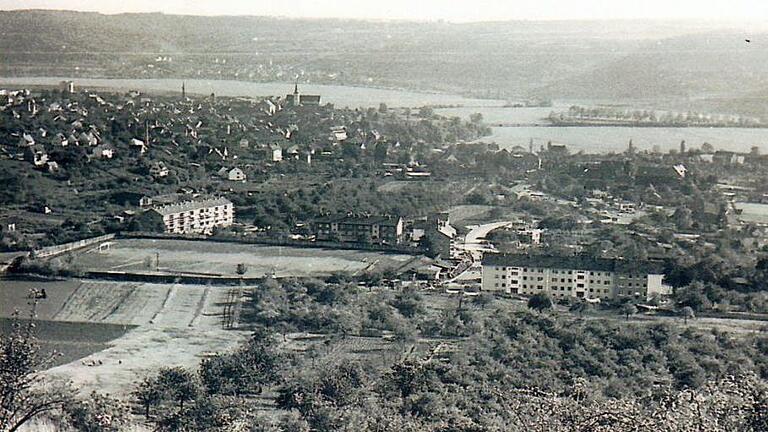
(472, 242)
(476, 249)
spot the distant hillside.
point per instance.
(623, 59)
(696, 66)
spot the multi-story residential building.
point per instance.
(360, 229)
(578, 277)
(197, 216)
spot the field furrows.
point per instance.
(181, 307)
(93, 301)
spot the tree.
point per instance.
(476, 118)
(540, 302)
(244, 371)
(476, 198)
(148, 394)
(628, 309)
(242, 268)
(686, 313)
(22, 397)
(408, 302)
(579, 307)
(179, 384)
(97, 413)
(483, 299)
(693, 296)
(683, 218)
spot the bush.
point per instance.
(97, 413)
(540, 302)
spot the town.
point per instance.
(184, 260)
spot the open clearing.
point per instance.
(113, 333)
(214, 258)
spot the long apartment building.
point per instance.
(578, 277)
(360, 228)
(197, 216)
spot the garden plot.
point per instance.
(379, 351)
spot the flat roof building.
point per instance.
(199, 216)
(578, 277)
(360, 228)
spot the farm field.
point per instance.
(15, 296)
(213, 258)
(110, 333)
(71, 341)
(378, 351)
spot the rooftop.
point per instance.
(573, 262)
(360, 220)
(186, 206)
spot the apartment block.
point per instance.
(577, 277)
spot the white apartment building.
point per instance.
(577, 277)
(197, 216)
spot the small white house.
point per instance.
(103, 151)
(236, 174)
(138, 146)
(274, 153)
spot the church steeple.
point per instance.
(183, 90)
(296, 96)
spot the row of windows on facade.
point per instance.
(203, 210)
(562, 288)
(562, 280)
(201, 220)
(514, 272)
(181, 216)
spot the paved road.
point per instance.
(473, 245)
(472, 242)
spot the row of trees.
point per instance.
(608, 114)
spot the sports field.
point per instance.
(214, 258)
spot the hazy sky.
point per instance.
(450, 10)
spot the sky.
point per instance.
(448, 10)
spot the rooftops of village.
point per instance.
(578, 262)
(187, 206)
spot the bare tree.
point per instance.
(23, 393)
(687, 313)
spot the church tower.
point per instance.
(296, 94)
